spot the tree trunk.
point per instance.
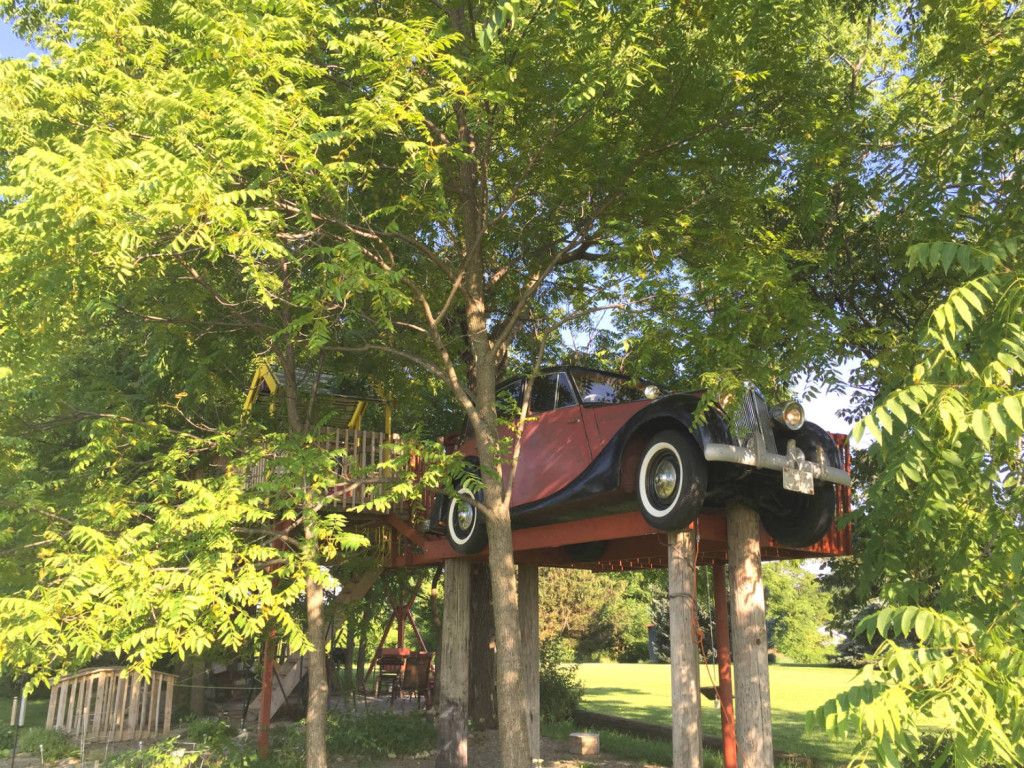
(364, 627)
(750, 637)
(483, 700)
(197, 693)
(723, 646)
(316, 706)
(529, 623)
(453, 681)
(512, 732)
(473, 190)
(682, 609)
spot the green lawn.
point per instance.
(641, 692)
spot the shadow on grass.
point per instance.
(787, 727)
(621, 702)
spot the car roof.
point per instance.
(569, 369)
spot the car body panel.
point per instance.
(604, 421)
(555, 449)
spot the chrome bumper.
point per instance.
(751, 457)
(757, 449)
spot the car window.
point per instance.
(551, 392)
(596, 388)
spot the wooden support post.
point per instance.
(453, 698)
(682, 575)
(724, 666)
(529, 628)
(266, 694)
(750, 633)
(483, 689)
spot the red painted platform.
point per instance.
(618, 542)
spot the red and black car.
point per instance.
(596, 443)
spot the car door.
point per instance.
(554, 449)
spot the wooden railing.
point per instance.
(104, 704)
(363, 450)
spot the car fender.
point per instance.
(613, 467)
(669, 412)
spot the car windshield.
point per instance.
(599, 388)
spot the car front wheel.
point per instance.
(464, 526)
(672, 481)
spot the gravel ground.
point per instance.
(484, 753)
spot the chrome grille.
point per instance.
(752, 421)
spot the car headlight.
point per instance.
(790, 414)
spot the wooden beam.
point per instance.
(405, 529)
(529, 628)
(750, 652)
(453, 698)
(683, 652)
(642, 729)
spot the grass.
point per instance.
(645, 751)
(642, 692)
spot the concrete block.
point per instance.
(585, 743)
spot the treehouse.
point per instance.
(357, 425)
(722, 529)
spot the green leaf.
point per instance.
(962, 309)
(883, 620)
(907, 620)
(897, 410)
(884, 420)
(949, 255)
(981, 425)
(1014, 409)
(995, 417)
(923, 625)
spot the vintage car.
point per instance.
(596, 443)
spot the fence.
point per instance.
(104, 704)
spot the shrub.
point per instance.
(377, 734)
(560, 688)
(54, 743)
(209, 732)
(164, 754)
(287, 747)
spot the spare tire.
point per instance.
(798, 519)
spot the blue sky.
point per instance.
(10, 45)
